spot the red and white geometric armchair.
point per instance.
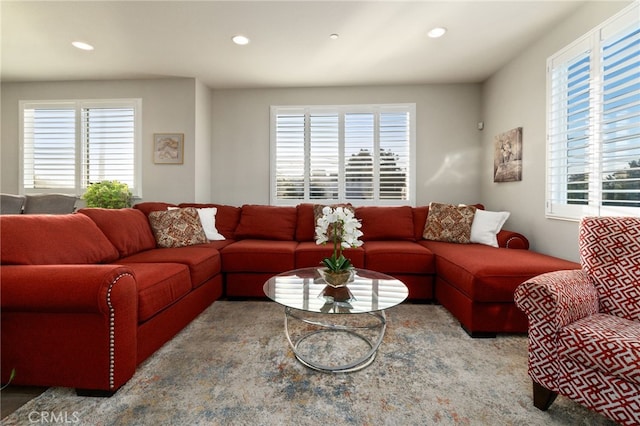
(584, 325)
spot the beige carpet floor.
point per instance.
(233, 366)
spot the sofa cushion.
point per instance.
(208, 220)
(53, 239)
(159, 287)
(11, 204)
(203, 262)
(267, 223)
(306, 223)
(227, 217)
(606, 343)
(153, 206)
(419, 221)
(177, 228)
(127, 229)
(398, 257)
(309, 254)
(259, 256)
(488, 274)
(450, 223)
(486, 225)
(386, 223)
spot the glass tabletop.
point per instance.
(305, 290)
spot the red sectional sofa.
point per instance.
(86, 297)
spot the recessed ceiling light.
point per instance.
(82, 45)
(240, 39)
(437, 32)
(334, 36)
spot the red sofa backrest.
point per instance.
(267, 223)
(386, 223)
(53, 239)
(127, 229)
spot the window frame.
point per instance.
(78, 106)
(341, 110)
(557, 202)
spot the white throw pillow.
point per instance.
(208, 219)
(486, 226)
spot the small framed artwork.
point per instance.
(168, 148)
(507, 162)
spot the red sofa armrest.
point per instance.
(61, 288)
(512, 240)
(69, 325)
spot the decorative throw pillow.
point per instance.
(449, 223)
(486, 226)
(208, 220)
(177, 228)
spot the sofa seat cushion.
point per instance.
(127, 229)
(606, 343)
(489, 274)
(398, 257)
(386, 223)
(203, 262)
(259, 256)
(310, 254)
(159, 286)
(53, 239)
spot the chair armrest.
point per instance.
(551, 301)
(557, 299)
(512, 240)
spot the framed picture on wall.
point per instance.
(507, 163)
(168, 148)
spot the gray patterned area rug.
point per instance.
(233, 366)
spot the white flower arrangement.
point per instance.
(341, 227)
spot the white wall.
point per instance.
(168, 105)
(448, 143)
(516, 97)
(202, 159)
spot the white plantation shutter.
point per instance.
(290, 168)
(620, 127)
(49, 147)
(359, 153)
(68, 145)
(593, 123)
(108, 135)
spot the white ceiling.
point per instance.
(381, 42)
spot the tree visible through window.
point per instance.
(348, 153)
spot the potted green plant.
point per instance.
(108, 194)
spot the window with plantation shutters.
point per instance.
(593, 123)
(66, 146)
(325, 154)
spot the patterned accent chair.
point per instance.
(584, 325)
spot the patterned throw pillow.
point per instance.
(177, 228)
(449, 223)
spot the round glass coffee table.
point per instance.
(335, 330)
